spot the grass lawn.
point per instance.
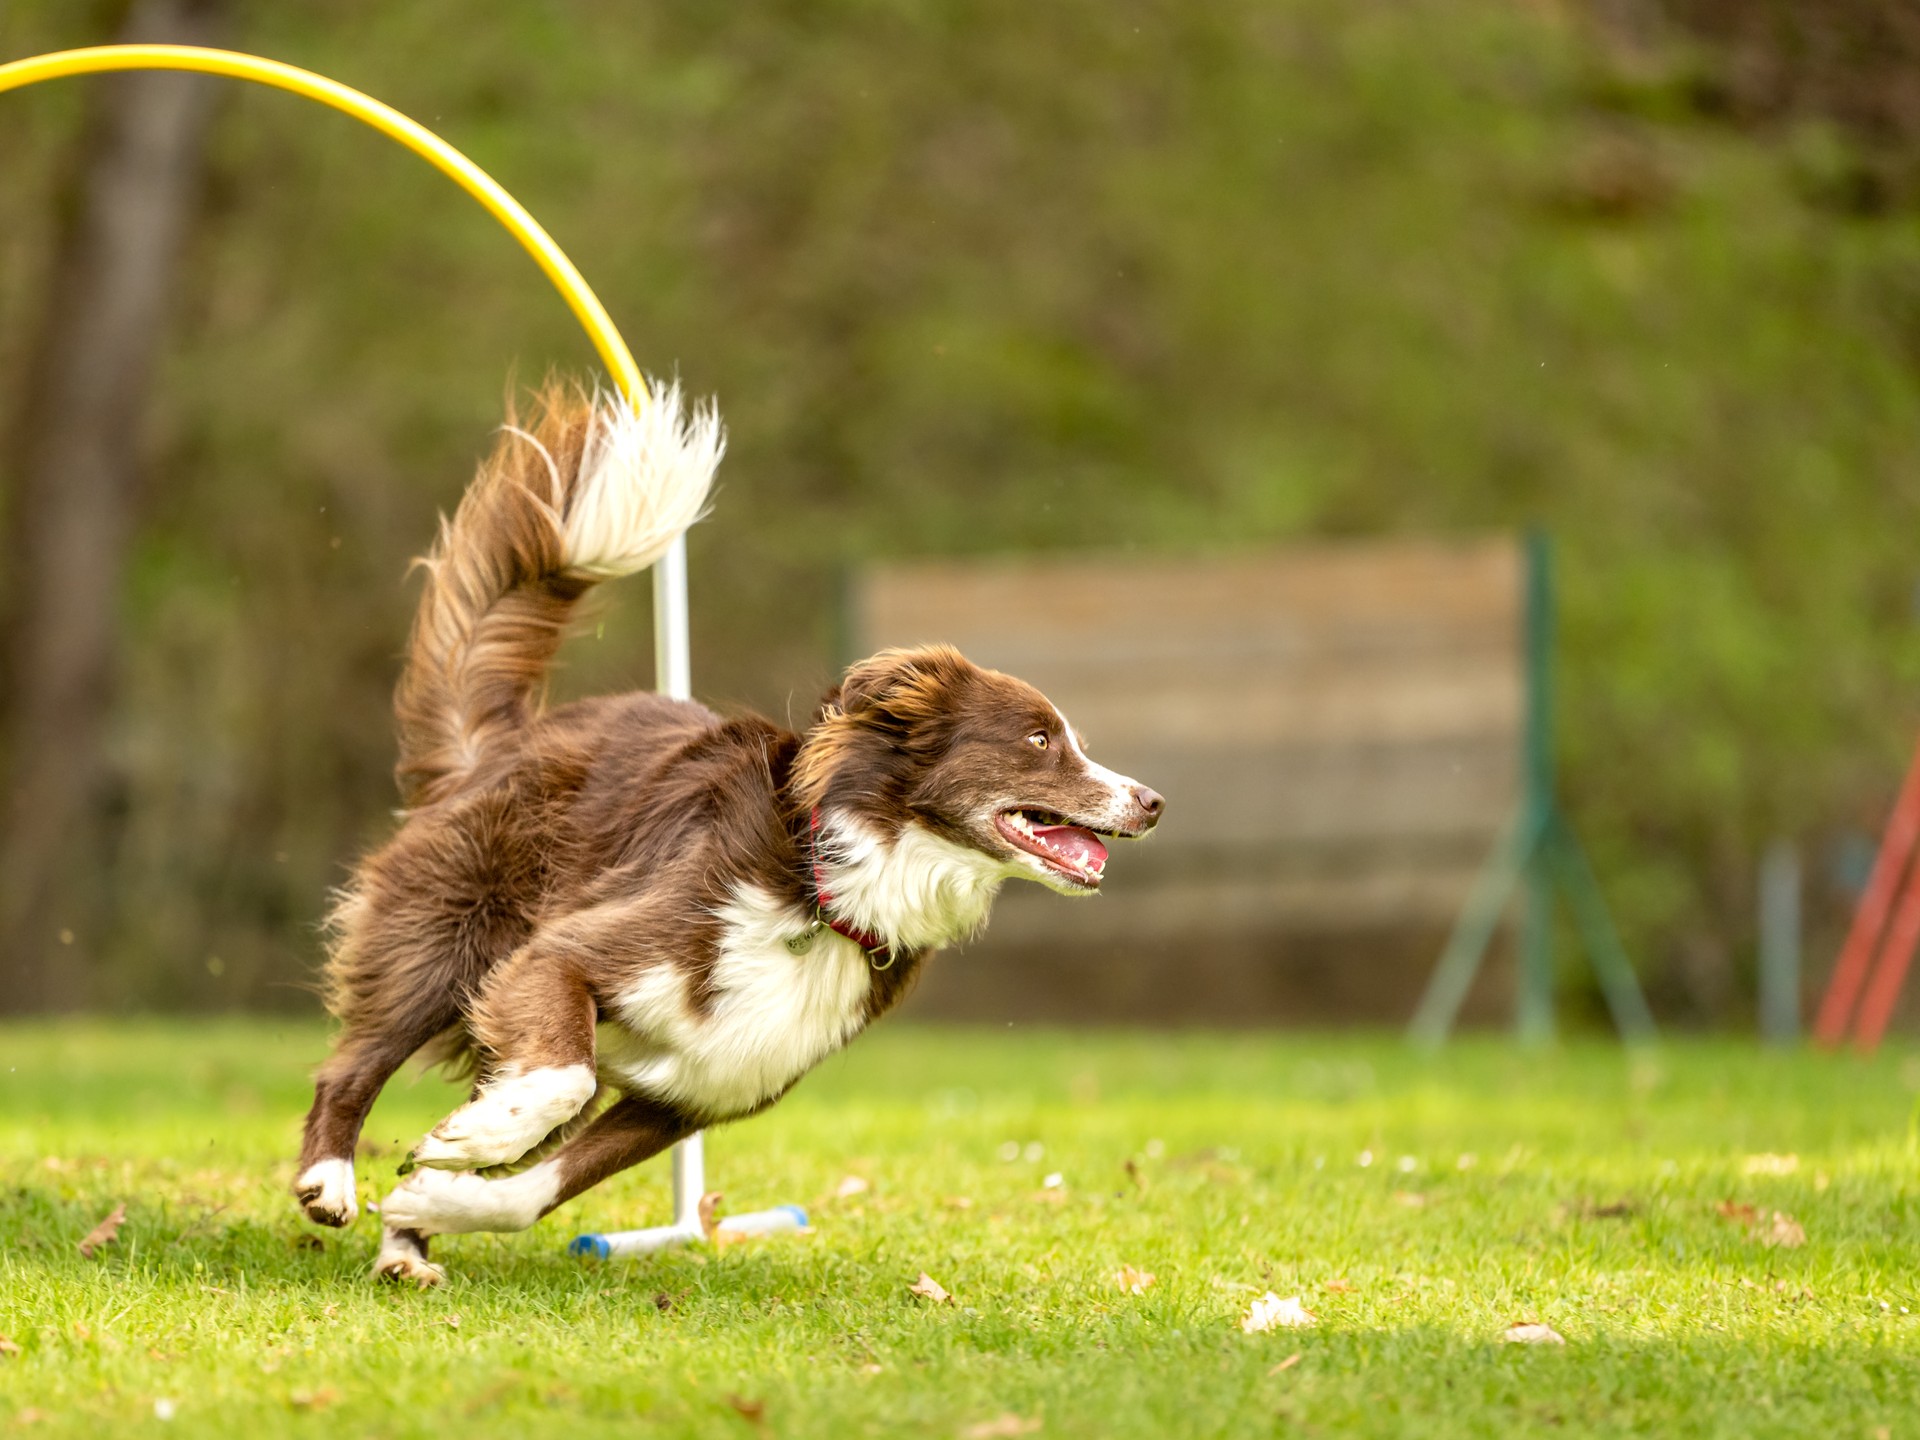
(1418, 1207)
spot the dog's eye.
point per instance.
(1038, 739)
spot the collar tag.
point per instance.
(803, 942)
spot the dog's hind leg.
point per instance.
(348, 1083)
(533, 1021)
(439, 1202)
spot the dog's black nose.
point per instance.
(1149, 801)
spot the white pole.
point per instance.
(673, 676)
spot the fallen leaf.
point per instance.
(958, 1202)
(1740, 1213)
(1000, 1426)
(1532, 1332)
(1339, 1287)
(452, 1322)
(313, 1399)
(1770, 1164)
(1783, 1231)
(7, 1346)
(1134, 1282)
(1270, 1312)
(1409, 1198)
(754, 1412)
(851, 1186)
(29, 1416)
(1286, 1364)
(103, 1233)
(710, 1212)
(663, 1302)
(1611, 1210)
(928, 1288)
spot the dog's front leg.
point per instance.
(442, 1202)
(534, 1019)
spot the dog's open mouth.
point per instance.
(1071, 850)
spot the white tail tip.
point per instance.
(644, 480)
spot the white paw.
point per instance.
(401, 1258)
(455, 1202)
(511, 1115)
(325, 1192)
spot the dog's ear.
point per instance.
(900, 686)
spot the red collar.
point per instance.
(878, 951)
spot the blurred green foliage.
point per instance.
(983, 276)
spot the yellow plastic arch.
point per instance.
(416, 137)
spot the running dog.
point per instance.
(630, 918)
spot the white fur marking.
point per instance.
(1119, 787)
(401, 1258)
(774, 1015)
(643, 480)
(917, 890)
(513, 1112)
(334, 1180)
(451, 1202)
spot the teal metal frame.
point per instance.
(1537, 848)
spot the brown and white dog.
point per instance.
(632, 918)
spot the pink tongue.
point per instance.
(1072, 844)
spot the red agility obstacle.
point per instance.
(1865, 964)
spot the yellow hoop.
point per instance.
(423, 142)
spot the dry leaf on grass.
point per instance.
(1286, 1364)
(1270, 1312)
(452, 1322)
(104, 1232)
(1339, 1287)
(1770, 1164)
(313, 1399)
(710, 1213)
(1002, 1426)
(1532, 1332)
(1134, 1282)
(1412, 1199)
(1782, 1231)
(8, 1347)
(1779, 1230)
(754, 1412)
(1607, 1210)
(928, 1288)
(851, 1186)
(958, 1202)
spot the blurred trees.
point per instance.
(76, 493)
(982, 276)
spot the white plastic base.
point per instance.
(780, 1219)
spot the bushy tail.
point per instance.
(588, 489)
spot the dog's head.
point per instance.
(979, 758)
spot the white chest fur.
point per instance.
(773, 1015)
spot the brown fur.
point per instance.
(548, 863)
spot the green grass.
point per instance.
(1488, 1199)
